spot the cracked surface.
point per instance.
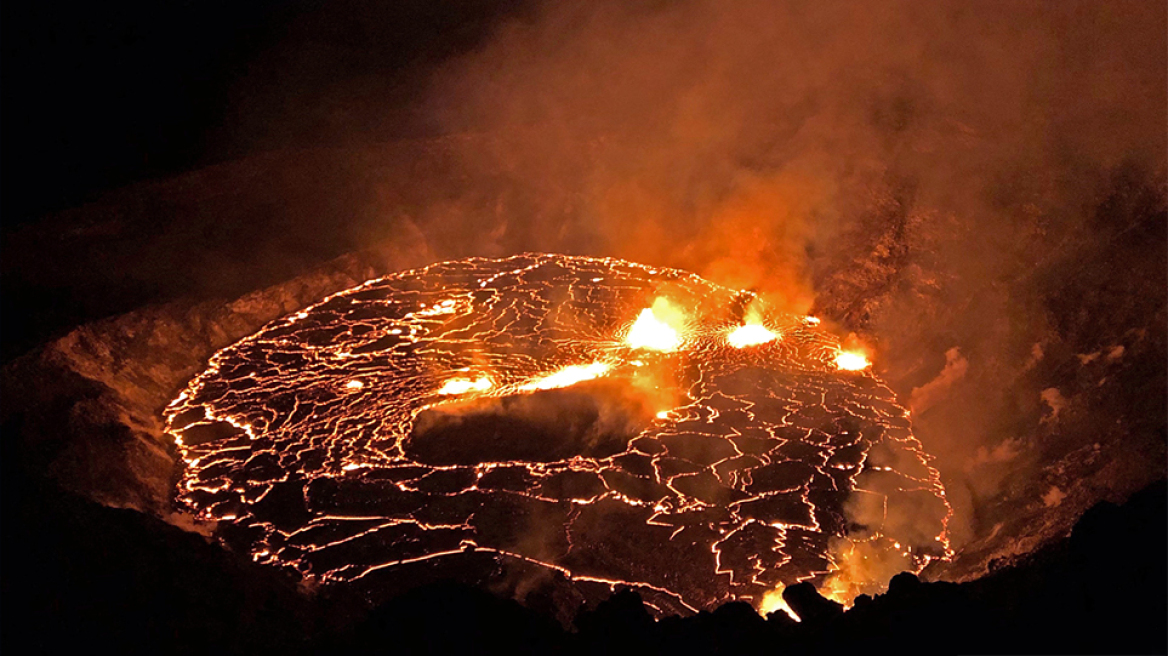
(490, 414)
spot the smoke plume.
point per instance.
(922, 173)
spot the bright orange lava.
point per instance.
(654, 332)
(464, 385)
(750, 335)
(567, 376)
(773, 601)
(852, 361)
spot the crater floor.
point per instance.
(493, 420)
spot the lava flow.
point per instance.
(602, 422)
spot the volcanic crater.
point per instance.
(515, 419)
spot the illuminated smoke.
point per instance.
(918, 171)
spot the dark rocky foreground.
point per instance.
(79, 576)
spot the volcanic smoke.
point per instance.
(609, 423)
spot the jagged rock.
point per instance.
(905, 583)
(620, 622)
(624, 611)
(87, 407)
(450, 618)
(807, 603)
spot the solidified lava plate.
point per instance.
(592, 421)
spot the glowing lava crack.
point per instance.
(603, 422)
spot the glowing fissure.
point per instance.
(567, 376)
(464, 385)
(756, 456)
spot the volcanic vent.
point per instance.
(591, 421)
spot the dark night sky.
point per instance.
(96, 96)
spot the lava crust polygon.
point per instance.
(406, 421)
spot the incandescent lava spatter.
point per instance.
(601, 422)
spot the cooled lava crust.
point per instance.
(489, 419)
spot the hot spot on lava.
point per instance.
(852, 361)
(599, 421)
(750, 335)
(657, 328)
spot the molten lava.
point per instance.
(852, 361)
(654, 332)
(750, 335)
(773, 601)
(568, 376)
(464, 385)
(599, 421)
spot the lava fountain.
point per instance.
(597, 422)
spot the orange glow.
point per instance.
(852, 361)
(750, 335)
(464, 385)
(568, 376)
(445, 307)
(674, 361)
(841, 591)
(656, 328)
(863, 568)
(773, 600)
